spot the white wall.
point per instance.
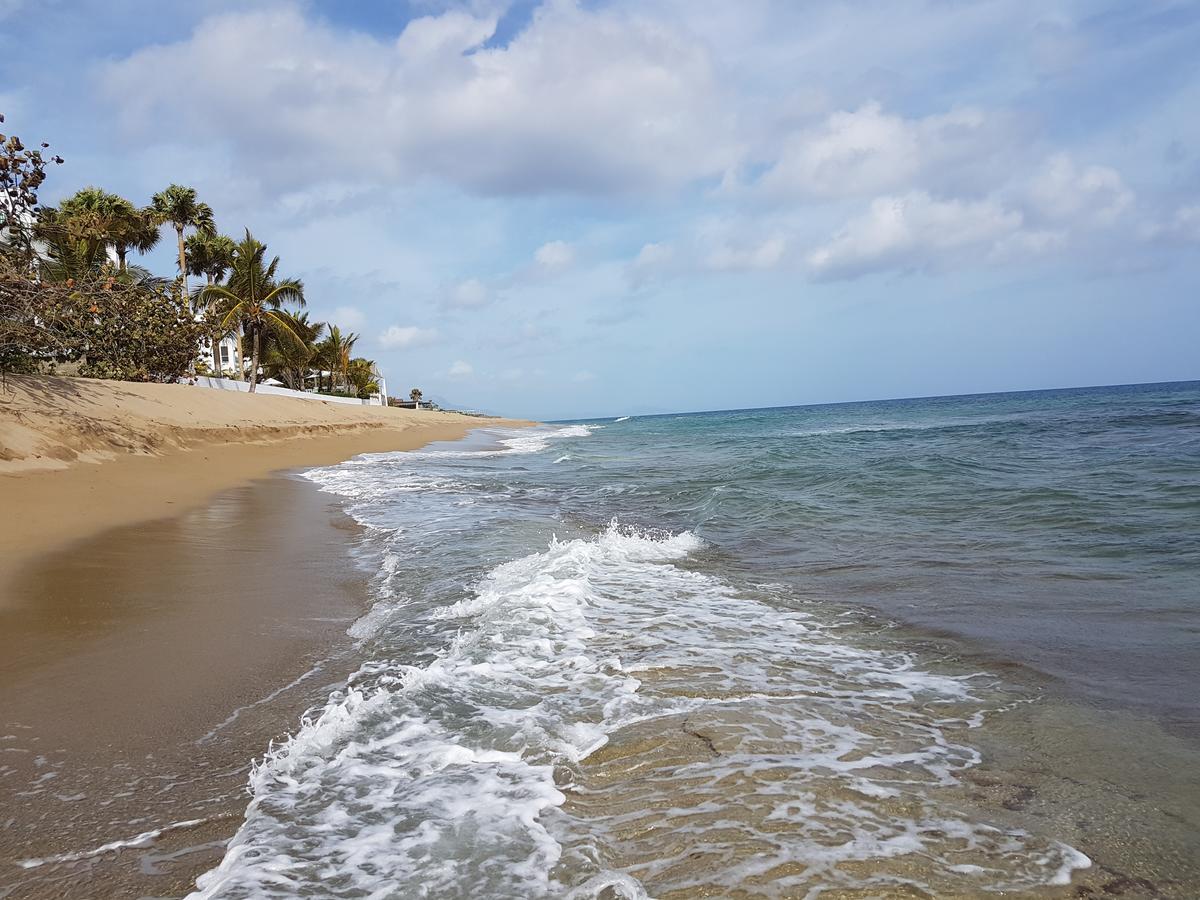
(228, 384)
(210, 358)
(210, 355)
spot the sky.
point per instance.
(577, 208)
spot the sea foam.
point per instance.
(438, 774)
(603, 718)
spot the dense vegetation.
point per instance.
(71, 299)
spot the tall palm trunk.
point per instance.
(182, 263)
(215, 337)
(121, 251)
(183, 290)
(254, 360)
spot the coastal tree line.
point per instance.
(72, 294)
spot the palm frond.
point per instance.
(289, 291)
(279, 324)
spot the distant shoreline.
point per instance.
(80, 456)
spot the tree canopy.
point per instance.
(254, 297)
(69, 295)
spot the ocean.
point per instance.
(935, 647)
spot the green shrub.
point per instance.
(110, 327)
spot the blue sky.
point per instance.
(565, 209)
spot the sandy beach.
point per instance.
(116, 453)
(168, 607)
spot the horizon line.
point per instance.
(704, 412)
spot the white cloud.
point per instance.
(1061, 191)
(653, 260)
(401, 337)
(914, 230)
(1056, 46)
(461, 369)
(1053, 209)
(653, 255)
(581, 100)
(629, 98)
(554, 256)
(583, 377)
(868, 151)
(469, 294)
(528, 334)
(1020, 246)
(322, 198)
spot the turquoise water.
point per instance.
(1060, 529)
(764, 653)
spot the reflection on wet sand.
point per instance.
(142, 670)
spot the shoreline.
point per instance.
(143, 669)
(117, 453)
(173, 598)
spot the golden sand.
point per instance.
(78, 456)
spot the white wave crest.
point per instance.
(516, 441)
(358, 479)
(479, 773)
(386, 750)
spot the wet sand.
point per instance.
(141, 671)
(166, 611)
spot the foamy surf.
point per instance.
(478, 774)
(517, 441)
(605, 718)
(145, 839)
(396, 748)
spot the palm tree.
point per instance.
(211, 255)
(133, 230)
(99, 219)
(362, 375)
(178, 207)
(320, 364)
(336, 351)
(68, 258)
(253, 298)
(289, 360)
(415, 394)
(75, 233)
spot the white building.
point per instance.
(226, 350)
